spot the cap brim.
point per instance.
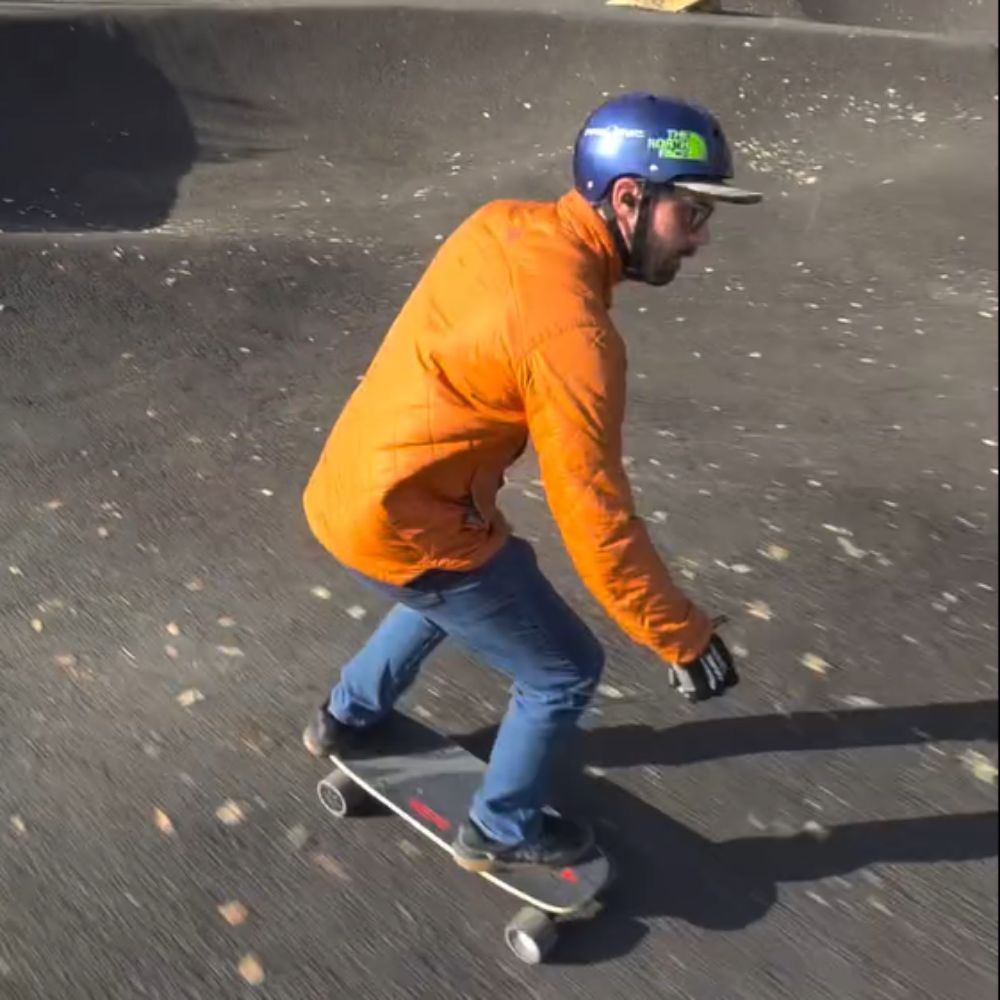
(720, 191)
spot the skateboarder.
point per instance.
(507, 336)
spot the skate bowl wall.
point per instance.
(311, 121)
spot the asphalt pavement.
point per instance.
(209, 216)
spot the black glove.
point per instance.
(709, 675)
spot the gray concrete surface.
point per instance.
(209, 218)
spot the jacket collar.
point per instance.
(580, 217)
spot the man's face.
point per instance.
(678, 226)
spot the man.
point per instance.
(506, 336)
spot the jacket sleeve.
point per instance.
(574, 392)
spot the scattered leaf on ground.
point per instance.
(163, 822)
(859, 701)
(814, 663)
(759, 609)
(321, 592)
(298, 836)
(231, 651)
(226, 622)
(173, 629)
(607, 691)
(815, 829)
(850, 548)
(982, 768)
(234, 913)
(231, 813)
(776, 553)
(251, 970)
(189, 697)
(327, 864)
(18, 825)
(37, 624)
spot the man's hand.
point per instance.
(709, 675)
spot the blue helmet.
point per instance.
(659, 139)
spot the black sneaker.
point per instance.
(326, 735)
(563, 841)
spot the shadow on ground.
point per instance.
(664, 869)
(95, 136)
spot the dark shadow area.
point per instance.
(691, 742)
(664, 869)
(94, 135)
(634, 745)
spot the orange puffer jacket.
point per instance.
(507, 334)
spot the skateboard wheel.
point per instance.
(531, 935)
(340, 796)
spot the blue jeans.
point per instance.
(509, 615)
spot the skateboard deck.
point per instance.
(429, 780)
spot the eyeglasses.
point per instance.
(698, 211)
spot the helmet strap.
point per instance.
(633, 257)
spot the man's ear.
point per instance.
(624, 199)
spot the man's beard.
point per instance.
(662, 270)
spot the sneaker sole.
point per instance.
(478, 865)
(505, 866)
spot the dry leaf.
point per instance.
(189, 697)
(410, 849)
(102, 532)
(850, 548)
(226, 622)
(230, 651)
(18, 825)
(982, 768)
(815, 663)
(357, 612)
(195, 585)
(777, 553)
(859, 701)
(163, 822)
(65, 660)
(251, 970)
(37, 624)
(328, 865)
(231, 813)
(298, 836)
(171, 651)
(234, 913)
(173, 629)
(759, 609)
(321, 592)
(53, 504)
